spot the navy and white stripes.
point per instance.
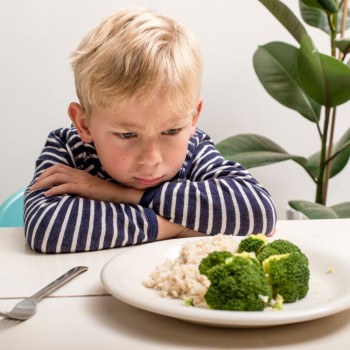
(210, 195)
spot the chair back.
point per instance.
(11, 211)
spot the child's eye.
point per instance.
(126, 135)
(171, 131)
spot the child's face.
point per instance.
(140, 146)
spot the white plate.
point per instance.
(329, 293)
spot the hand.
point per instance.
(63, 179)
(271, 233)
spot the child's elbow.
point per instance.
(36, 243)
(32, 243)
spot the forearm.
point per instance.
(168, 229)
(67, 209)
(213, 195)
(60, 179)
(216, 206)
(66, 224)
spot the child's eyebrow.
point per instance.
(127, 126)
(172, 124)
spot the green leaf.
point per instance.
(342, 210)
(311, 3)
(341, 148)
(254, 150)
(328, 5)
(343, 45)
(341, 159)
(314, 164)
(313, 210)
(319, 211)
(313, 14)
(324, 78)
(286, 17)
(276, 67)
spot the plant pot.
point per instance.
(293, 214)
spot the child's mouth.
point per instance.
(149, 181)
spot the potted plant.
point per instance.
(311, 83)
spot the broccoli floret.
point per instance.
(253, 243)
(280, 246)
(288, 274)
(213, 259)
(239, 284)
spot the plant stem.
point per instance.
(331, 136)
(329, 155)
(320, 180)
(343, 25)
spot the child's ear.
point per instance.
(80, 121)
(196, 117)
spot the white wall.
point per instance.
(36, 83)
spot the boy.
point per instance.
(134, 168)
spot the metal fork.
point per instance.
(27, 307)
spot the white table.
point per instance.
(82, 315)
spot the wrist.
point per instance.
(168, 229)
(129, 195)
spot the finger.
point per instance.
(61, 190)
(46, 173)
(57, 174)
(54, 179)
(58, 169)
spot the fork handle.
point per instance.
(75, 271)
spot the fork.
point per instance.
(27, 307)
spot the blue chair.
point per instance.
(11, 211)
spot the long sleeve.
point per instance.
(213, 195)
(62, 224)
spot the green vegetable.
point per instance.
(280, 246)
(288, 274)
(252, 243)
(277, 303)
(237, 284)
(189, 302)
(213, 259)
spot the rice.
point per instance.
(181, 278)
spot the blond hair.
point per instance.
(138, 54)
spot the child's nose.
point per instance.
(150, 153)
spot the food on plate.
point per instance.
(217, 272)
(288, 274)
(252, 243)
(212, 260)
(237, 283)
(180, 278)
(280, 246)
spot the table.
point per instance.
(82, 314)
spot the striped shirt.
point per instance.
(209, 195)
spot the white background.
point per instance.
(36, 83)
